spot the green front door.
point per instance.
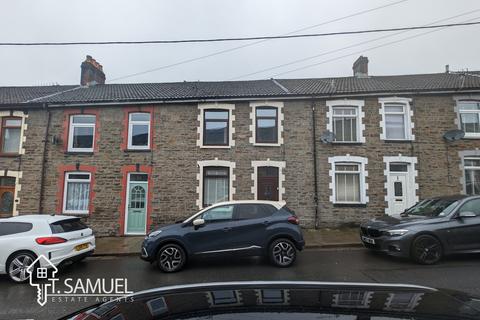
(137, 204)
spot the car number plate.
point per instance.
(368, 240)
(81, 247)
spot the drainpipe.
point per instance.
(44, 160)
(315, 178)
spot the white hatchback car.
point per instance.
(24, 238)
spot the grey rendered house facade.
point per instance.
(127, 157)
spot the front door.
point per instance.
(7, 194)
(267, 188)
(136, 208)
(401, 188)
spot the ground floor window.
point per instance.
(7, 194)
(348, 180)
(215, 185)
(76, 192)
(472, 175)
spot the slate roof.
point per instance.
(240, 89)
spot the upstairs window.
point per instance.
(81, 133)
(396, 121)
(76, 193)
(216, 127)
(11, 135)
(469, 114)
(345, 124)
(266, 125)
(139, 131)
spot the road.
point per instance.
(358, 265)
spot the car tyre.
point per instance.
(171, 258)
(426, 249)
(282, 253)
(17, 266)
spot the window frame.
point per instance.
(407, 117)
(65, 192)
(71, 129)
(257, 118)
(363, 173)
(346, 103)
(131, 123)
(226, 121)
(2, 134)
(202, 107)
(459, 102)
(204, 180)
(470, 168)
(278, 123)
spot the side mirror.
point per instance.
(467, 214)
(198, 222)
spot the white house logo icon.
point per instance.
(38, 272)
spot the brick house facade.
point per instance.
(393, 151)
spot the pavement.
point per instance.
(320, 238)
(333, 264)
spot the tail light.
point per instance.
(293, 220)
(50, 240)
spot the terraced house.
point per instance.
(337, 150)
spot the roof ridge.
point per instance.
(52, 94)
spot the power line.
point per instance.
(308, 35)
(253, 43)
(344, 48)
(361, 51)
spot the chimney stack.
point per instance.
(92, 72)
(360, 67)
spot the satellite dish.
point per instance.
(453, 135)
(327, 137)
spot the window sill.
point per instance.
(398, 141)
(261, 144)
(348, 143)
(137, 150)
(215, 147)
(9, 155)
(76, 213)
(87, 153)
(471, 136)
(349, 205)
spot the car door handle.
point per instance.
(226, 229)
(266, 222)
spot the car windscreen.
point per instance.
(68, 225)
(8, 228)
(433, 207)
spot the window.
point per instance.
(253, 211)
(76, 192)
(11, 135)
(215, 185)
(396, 121)
(352, 299)
(348, 180)
(224, 297)
(222, 213)
(68, 225)
(471, 206)
(345, 120)
(472, 175)
(7, 194)
(215, 127)
(139, 131)
(7, 228)
(81, 133)
(469, 114)
(266, 125)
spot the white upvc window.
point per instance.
(471, 166)
(76, 192)
(215, 182)
(139, 131)
(348, 180)
(345, 120)
(81, 133)
(396, 122)
(469, 117)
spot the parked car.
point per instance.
(287, 300)
(25, 238)
(247, 228)
(429, 230)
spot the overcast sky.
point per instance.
(108, 20)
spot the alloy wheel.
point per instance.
(171, 258)
(427, 250)
(283, 253)
(17, 269)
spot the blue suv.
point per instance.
(247, 228)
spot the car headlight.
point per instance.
(154, 233)
(397, 232)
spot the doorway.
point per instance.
(268, 184)
(136, 208)
(400, 187)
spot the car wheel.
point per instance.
(426, 249)
(18, 264)
(282, 253)
(171, 258)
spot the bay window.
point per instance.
(81, 133)
(469, 114)
(139, 131)
(11, 133)
(76, 193)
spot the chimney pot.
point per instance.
(92, 72)
(447, 68)
(360, 67)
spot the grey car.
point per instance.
(429, 230)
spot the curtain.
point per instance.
(11, 140)
(395, 126)
(347, 187)
(77, 196)
(216, 190)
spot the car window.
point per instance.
(218, 214)
(253, 211)
(8, 228)
(68, 225)
(471, 206)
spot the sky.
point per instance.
(118, 20)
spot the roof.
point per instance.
(256, 89)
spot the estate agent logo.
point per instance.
(79, 288)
